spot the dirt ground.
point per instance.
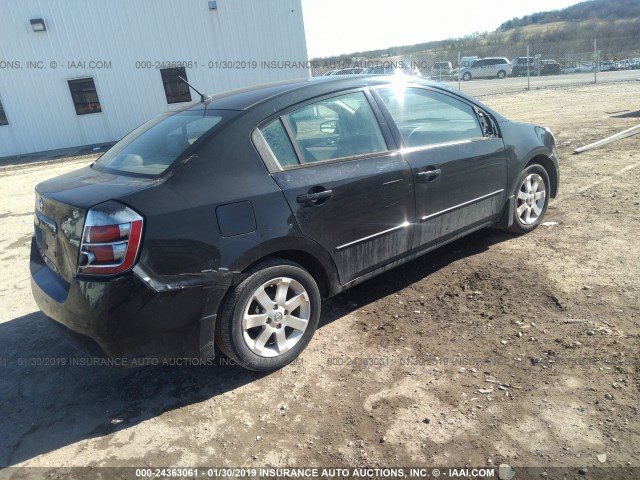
(494, 349)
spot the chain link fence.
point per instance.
(497, 67)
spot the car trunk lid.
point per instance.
(61, 207)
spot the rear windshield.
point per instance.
(152, 147)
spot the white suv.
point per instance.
(491, 67)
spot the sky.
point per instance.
(334, 27)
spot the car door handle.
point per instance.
(314, 197)
(429, 175)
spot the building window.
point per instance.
(84, 96)
(3, 116)
(175, 89)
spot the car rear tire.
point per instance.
(466, 77)
(531, 199)
(269, 318)
(502, 74)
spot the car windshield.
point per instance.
(152, 147)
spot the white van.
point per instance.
(491, 67)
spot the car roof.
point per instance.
(246, 98)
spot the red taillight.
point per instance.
(107, 233)
(111, 239)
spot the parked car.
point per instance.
(329, 73)
(549, 67)
(441, 70)
(393, 69)
(492, 67)
(622, 64)
(519, 66)
(586, 67)
(348, 71)
(570, 69)
(606, 66)
(230, 218)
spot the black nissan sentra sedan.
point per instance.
(229, 220)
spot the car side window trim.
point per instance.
(443, 144)
(265, 152)
(352, 158)
(296, 148)
(270, 159)
(389, 139)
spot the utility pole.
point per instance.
(596, 59)
(459, 68)
(528, 79)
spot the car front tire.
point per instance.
(466, 77)
(270, 317)
(532, 196)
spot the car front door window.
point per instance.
(428, 118)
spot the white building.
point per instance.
(82, 72)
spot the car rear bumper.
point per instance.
(127, 317)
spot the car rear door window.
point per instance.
(331, 129)
(425, 117)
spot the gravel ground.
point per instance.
(495, 349)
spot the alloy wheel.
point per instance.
(531, 199)
(276, 317)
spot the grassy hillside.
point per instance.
(591, 10)
(566, 35)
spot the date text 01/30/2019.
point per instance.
(315, 472)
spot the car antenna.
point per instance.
(203, 98)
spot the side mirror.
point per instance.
(330, 126)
